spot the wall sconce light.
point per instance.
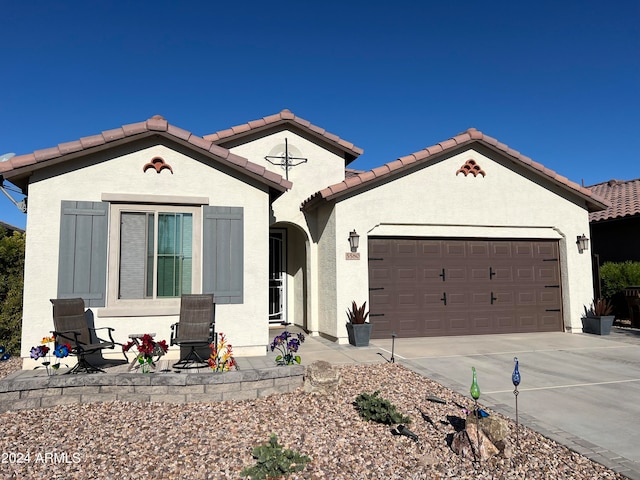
(583, 243)
(354, 241)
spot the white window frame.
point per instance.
(148, 306)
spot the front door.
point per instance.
(277, 276)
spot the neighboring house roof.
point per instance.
(10, 227)
(354, 183)
(285, 117)
(624, 197)
(19, 168)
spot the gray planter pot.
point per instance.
(359, 334)
(598, 325)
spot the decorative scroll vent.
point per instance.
(158, 164)
(471, 167)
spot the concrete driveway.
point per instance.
(581, 390)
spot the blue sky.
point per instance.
(558, 81)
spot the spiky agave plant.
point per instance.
(357, 315)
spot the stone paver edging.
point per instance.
(22, 392)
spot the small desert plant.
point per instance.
(600, 307)
(273, 461)
(373, 408)
(357, 314)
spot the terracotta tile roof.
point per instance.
(285, 116)
(18, 169)
(429, 154)
(352, 172)
(624, 197)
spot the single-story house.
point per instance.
(467, 236)
(615, 230)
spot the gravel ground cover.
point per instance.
(119, 440)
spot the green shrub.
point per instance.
(273, 461)
(617, 276)
(373, 408)
(11, 281)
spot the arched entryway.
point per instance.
(287, 274)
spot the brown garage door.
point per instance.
(434, 287)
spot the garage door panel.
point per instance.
(548, 321)
(406, 274)
(527, 297)
(500, 250)
(496, 286)
(431, 249)
(458, 322)
(455, 275)
(501, 274)
(379, 247)
(407, 300)
(455, 249)
(480, 298)
(456, 299)
(434, 325)
(503, 297)
(407, 249)
(479, 322)
(546, 249)
(432, 299)
(525, 274)
(547, 274)
(523, 250)
(379, 274)
(506, 321)
(479, 274)
(550, 296)
(528, 322)
(479, 250)
(432, 274)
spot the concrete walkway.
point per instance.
(580, 390)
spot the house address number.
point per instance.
(352, 255)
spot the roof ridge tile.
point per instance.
(470, 134)
(157, 123)
(278, 118)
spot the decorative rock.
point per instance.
(494, 427)
(505, 448)
(321, 377)
(465, 443)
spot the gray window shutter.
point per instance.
(222, 256)
(82, 265)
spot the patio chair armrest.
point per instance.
(109, 329)
(65, 335)
(212, 333)
(174, 333)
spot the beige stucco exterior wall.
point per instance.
(434, 201)
(322, 168)
(246, 324)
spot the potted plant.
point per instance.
(598, 318)
(358, 329)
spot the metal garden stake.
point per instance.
(393, 345)
(475, 394)
(515, 378)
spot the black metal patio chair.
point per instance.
(195, 328)
(71, 326)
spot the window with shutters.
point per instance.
(127, 257)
